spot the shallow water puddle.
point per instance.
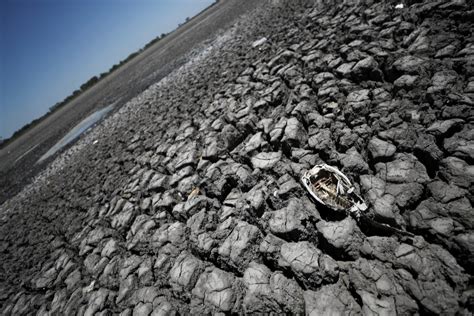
(80, 128)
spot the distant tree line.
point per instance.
(85, 86)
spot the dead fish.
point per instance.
(333, 189)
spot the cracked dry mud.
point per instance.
(190, 201)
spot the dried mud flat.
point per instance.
(18, 159)
(188, 200)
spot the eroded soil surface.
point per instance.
(188, 199)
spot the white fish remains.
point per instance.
(332, 188)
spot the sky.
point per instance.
(48, 48)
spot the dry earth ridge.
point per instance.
(190, 201)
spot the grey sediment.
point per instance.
(187, 199)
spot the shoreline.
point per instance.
(155, 62)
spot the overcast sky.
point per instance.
(48, 48)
